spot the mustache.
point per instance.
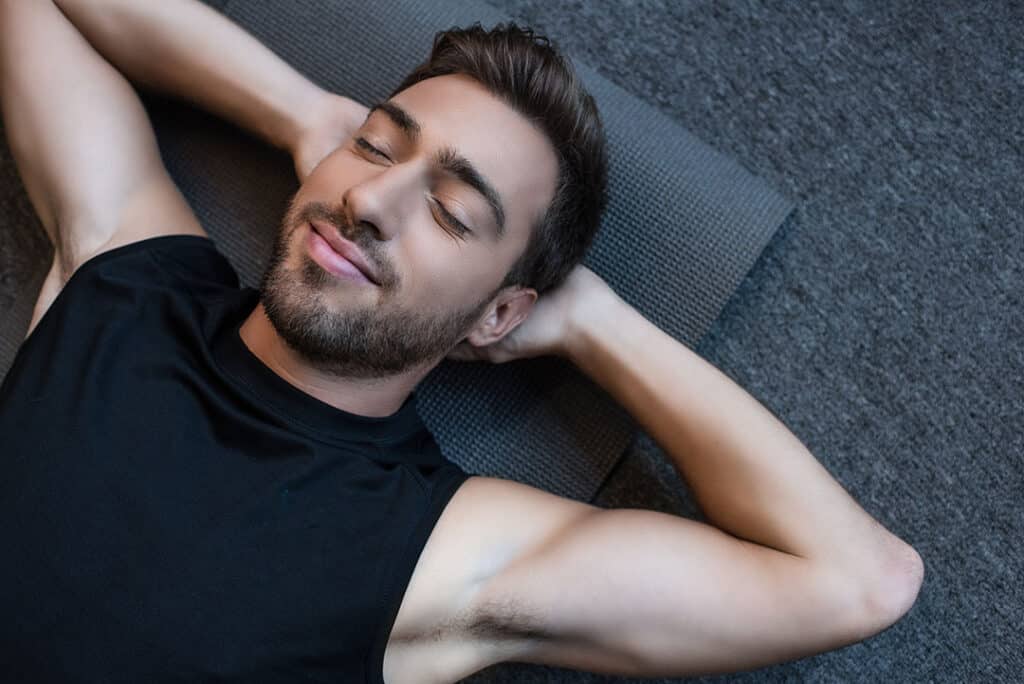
(336, 216)
(356, 233)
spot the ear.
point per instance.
(507, 311)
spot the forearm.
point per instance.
(751, 476)
(186, 49)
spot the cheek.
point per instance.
(430, 265)
(438, 273)
(452, 279)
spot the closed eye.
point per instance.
(449, 218)
(361, 142)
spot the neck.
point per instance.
(372, 397)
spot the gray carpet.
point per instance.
(882, 323)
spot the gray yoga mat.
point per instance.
(683, 226)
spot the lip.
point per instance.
(344, 249)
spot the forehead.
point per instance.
(513, 155)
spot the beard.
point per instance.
(360, 341)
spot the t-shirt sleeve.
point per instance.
(445, 481)
(138, 283)
(185, 262)
(191, 261)
(178, 265)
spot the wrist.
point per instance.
(305, 110)
(591, 320)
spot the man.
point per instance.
(206, 482)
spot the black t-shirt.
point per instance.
(173, 510)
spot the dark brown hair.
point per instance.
(528, 73)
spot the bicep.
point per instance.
(81, 139)
(639, 593)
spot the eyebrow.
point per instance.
(447, 159)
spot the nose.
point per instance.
(386, 198)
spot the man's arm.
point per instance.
(790, 565)
(187, 49)
(82, 141)
(751, 476)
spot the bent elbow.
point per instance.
(892, 591)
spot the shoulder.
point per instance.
(445, 619)
(175, 263)
(178, 262)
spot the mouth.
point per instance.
(337, 255)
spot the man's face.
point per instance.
(441, 153)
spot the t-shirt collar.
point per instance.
(256, 378)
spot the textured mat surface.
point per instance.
(683, 226)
